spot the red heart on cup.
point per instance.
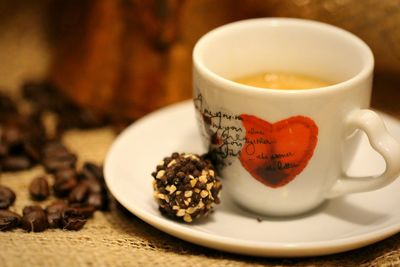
(275, 154)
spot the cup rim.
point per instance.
(227, 84)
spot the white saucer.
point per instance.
(338, 225)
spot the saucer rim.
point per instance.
(234, 245)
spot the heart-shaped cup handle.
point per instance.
(379, 138)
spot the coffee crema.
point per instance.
(282, 80)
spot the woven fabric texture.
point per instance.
(118, 238)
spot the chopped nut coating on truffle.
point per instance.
(185, 186)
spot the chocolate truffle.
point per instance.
(185, 186)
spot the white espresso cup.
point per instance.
(281, 152)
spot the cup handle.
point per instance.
(379, 138)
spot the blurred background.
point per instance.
(125, 58)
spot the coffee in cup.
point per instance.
(283, 81)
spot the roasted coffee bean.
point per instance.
(54, 220)
(54, 213)
(32, 151)
(7, 197)
(22, 137)
(15, 163)
(35, 221)
(62, 187)
(9, 220)
(92, 171)
(53, 164)
(65, 174)
(57, 206)
(79, 193)
(45, 96)
(73, 219)
(23, 144)
(84, 209)
(39, 188)
(29, 209)
(98, 200)
(54, 148)
(57, 157)
(61, 155)
(94, 186)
